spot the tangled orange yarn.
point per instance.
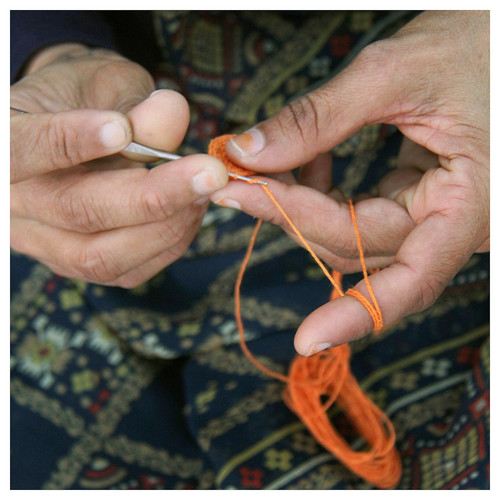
(326, 375)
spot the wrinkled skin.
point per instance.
(431, 80)
(78, 206)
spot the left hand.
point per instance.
(77, 206)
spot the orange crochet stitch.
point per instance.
(217, 148)
(327, 374)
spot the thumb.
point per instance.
(318, 121)
(42, 142)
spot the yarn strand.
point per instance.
(327, 375)
(373, 308)
(237, 309)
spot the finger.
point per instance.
(151, 268)
(88, 201)
(287, 178)
(160, 122)
(345, 265)
(43, 142)
(337, 194)
(317, 174)
(361, 196)
(105, 257)
(316, 122)
(134, 277)
(426, 262)
(321, 219)
(397, 180)
(413, 155)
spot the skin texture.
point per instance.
(78, 206)
(431, 79)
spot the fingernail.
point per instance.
(228, 202)
(206, 182)
(249, 143)
(113, 135)
(319, 347)
(204, 200)
(157, 91)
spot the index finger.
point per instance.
(43, 142)
(97, 200)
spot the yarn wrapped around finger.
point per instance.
(315, 383)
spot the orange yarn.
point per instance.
(327, 375)
(217, 148)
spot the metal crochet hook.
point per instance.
(135, 147)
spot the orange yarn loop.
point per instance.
(217, 148)
(327, 374)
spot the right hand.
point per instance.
(431, 80)
(77, 206)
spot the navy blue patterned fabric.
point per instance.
(148, 388)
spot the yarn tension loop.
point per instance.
(326, 375)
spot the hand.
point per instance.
(431, 79)
(76, 205)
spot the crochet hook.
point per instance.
(135, 147)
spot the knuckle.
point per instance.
(303, 116)
(172, 235)
(77, 214)
(62, 143)
(93, 265)
(376, 57)
(381, 63)
(427, 292)
(156, 206)
(178, 234)
(21, 153)
(426, 295)
(134, 77)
